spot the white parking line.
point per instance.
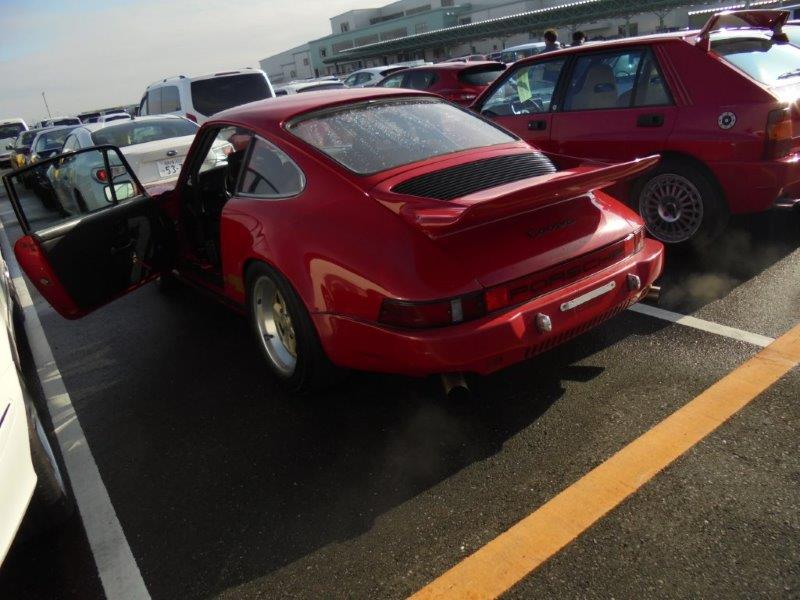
(703, 325)
(116, 566)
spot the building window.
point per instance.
(292, 74)
(305, 61)
(345, 27)
(448, 2)
(465, 21)
(420, 28)
(633, 29)
(323, 52)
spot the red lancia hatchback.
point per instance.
(459, 82)
(720, 105)
(369, 229)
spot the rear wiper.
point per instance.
(789, 74)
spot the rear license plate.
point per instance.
(170, 167)
(595, 293)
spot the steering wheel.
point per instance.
(531, 105)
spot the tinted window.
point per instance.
(419, 80)
(526, 90)
(154, 102)
(651, 90)
(762, 59)
(376, 136)
(602, 81)
(52, 139)
(270, 173)
(170, 99)
(26, 138)
(11, 130)
(482, 76)
(141, 132)
(211, 96)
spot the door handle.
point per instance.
(537, 125)
(653, 120)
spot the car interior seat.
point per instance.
(599, 89)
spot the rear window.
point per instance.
(27, 138)
(375, 136)
(483, 76)
(141, 132)
(763, 59)
(211, 96)
(52, 139)
(67, 121)
(11, 130)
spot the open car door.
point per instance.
(89, 232)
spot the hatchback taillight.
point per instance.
(420, 315)
(102, 176)
(779, 133)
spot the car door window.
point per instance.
(420, 80)
(393, 81)
(154, 102)
(651, 90)
(170, 99)
(527, 90)
(270, 173)
(603, 81)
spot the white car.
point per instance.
(9, 130)
(30, 475)
(308, 86)
(515, 53)
(198, 98)
(155, 148)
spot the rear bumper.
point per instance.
(758, 186)
(494, 342)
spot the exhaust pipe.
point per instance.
(454, 383)
(653, 294)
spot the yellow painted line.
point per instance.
(514, 554)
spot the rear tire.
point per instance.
(680, 205)
(284, 333)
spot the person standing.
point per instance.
(551, 41)
(578, 38)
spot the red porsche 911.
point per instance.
(368, 229)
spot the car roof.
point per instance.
(455, 66)
(256, 115)
(96, 126)
(176, 78)
(11, 121)
(45, 130)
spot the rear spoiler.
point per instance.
(438, 218)
(772, 20)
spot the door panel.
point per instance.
(81, 255)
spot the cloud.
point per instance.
(98, 54)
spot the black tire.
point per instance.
(312, 369)
(700, 211)
(52, 503)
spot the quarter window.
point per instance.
(270, 173)
(650, 87)
(394, 81)
(527, 90)
(420, 80)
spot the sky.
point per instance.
(88, 54)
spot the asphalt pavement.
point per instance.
(225, 486)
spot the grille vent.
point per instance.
(468, 178)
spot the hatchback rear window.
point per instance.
(141, 132)
(375, 136)
(11, 130)
(483, 76)
(765, 60)
(211, 96)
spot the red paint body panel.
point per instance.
(35, 265)
(448, 83)
(703, 86)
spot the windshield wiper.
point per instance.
(790, 74)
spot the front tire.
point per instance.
(285, 334)
(680, 205)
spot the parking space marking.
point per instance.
(703, 325)
(116, 566)
(514, 554)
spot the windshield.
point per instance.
(11, 130)
(211, 96)
(26, 138)
(52, 139)
(767, 61)
(380, 135)
(483, 76)
(141, 132)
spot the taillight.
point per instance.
(101, 175)
(191, 117)
(419, 315)
(779, 133)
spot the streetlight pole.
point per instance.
(49, 116)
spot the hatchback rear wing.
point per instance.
(772, 20)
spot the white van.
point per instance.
(197, 98)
